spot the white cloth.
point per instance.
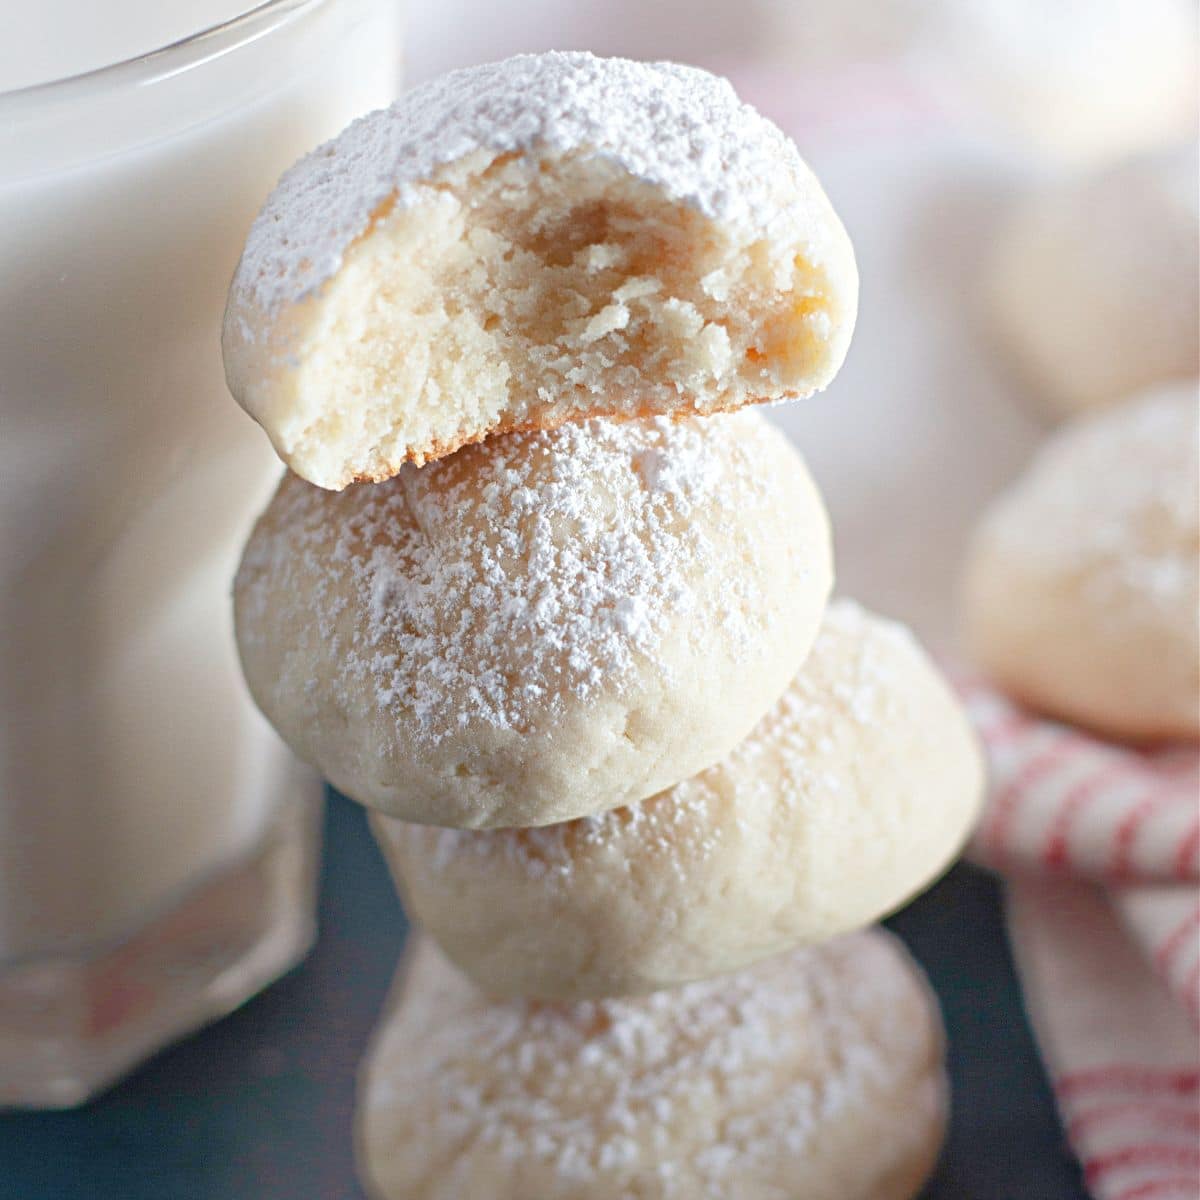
(1120, 1052)
(1101, 845)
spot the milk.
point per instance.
(52, 39)
(133, 765)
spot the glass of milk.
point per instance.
(157, 844)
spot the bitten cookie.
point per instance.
(1080, 592)
(515, 245)
(815, 1075)
(852, 794)
(541, 627)
(1093, 287)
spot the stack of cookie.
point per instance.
(565, 629)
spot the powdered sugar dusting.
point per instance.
(489, 587)
(676, 127)
(850, 683)
(702, 1086)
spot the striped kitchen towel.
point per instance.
(1100, 845)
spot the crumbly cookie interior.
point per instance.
(520, 291)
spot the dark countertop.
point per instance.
(258, 1106)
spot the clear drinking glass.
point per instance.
(157, 844)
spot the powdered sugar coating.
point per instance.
(677, 127)
(855, 790)
(785, 762)
(535, 565)
(564, 598)
(742, 1086)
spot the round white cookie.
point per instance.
(1081, 593)
(544, 239)
(1093, 287)
(1071, 80)
(542, 627)
(815, 1075)
(855, 791)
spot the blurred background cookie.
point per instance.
(1092, 284)
(1080, 593)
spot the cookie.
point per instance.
(1080, 594)
(852, 794)
(1092, 286)
(540, 240)
(541, 627)
(815, 1075)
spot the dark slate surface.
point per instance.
(258, 1107)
